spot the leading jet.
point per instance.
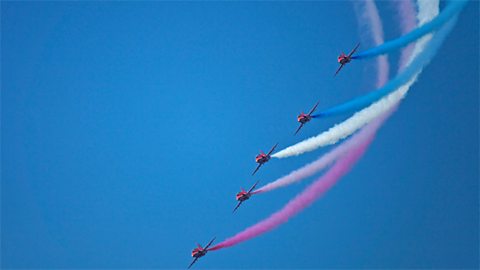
(344, 59)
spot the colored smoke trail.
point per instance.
(319, 164)
(370, 25)
(366, 115)
(450, 10)
(347, 127)
(365, 136)
(318, 188)
(368, 18)
(402, 78)
(427, 11)
(301, 201)
(406, 10)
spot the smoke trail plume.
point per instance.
(370, 27)
(346, 128)
(366, 115)
(304, 199)
(450, 10)
(427, 11)
(419, 62)
(406, 10)
(320, 186)
(319, 164)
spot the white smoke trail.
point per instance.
(348, 127)
(428, 9)
(325, 160)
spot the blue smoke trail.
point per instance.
(452, 8)
(392, 85)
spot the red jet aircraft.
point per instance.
(304, 118)
(344, 59)
(244, 195)
(262, 158)
(199, 252)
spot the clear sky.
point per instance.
(127, 129)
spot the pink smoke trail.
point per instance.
(370, 26)
(406, 10)
(312, 192)
(301, 201)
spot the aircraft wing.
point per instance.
(314, 108)
(194, 260)
(273, 148)
(354, 49)
(253, 187)
(236, 207)
(258, 167)
(338, 70)
(209, 243)
(298, 129)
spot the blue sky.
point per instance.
(127, 129)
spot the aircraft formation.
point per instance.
(263, 158)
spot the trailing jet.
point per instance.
(200, 251)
